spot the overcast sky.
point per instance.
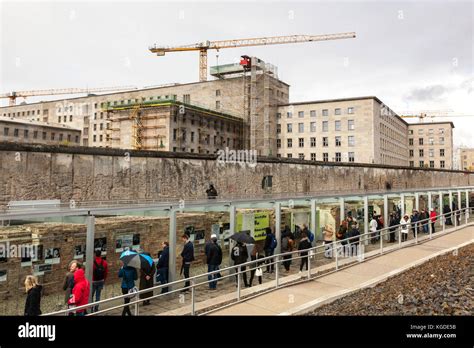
(414, 56)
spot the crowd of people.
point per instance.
(302, 239)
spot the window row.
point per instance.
(323, 112)
(35, 135)
(431, 141)
(338, 157)
(431, 153)
(312, 126)
(312, 142)
(430, 164)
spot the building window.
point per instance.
(431, 153)
(59, 119)
(301, 142)
(441, 140)
(410, 141)
(278, 128)
(5, 131)
(218, 92)
(411, 153)
(350, 110)
(325, 126)
(175, 133)
(301, 156)
(16, 132)
(95, 115)
(300, 113)
(313, 142)
(289, 143)
(53, 136)
(60, 136)
(44, 135)
(187, 98)
(69, 137)
(351, 156)
(25, 133)
(101, 137)
(325, 141)
(351, 140)
(65, 118)
(300, 127)
(337, 111)
(101, 126)
(325, 112)
(431, 164)
(192, 138)
(350, 125)
(94, 138)
(278, 143)
(421, 152)
(420, 131)
(312, 126)
(70, 118)
(289, 114)
(313, 156)
(430, 131)
(420, 141)
(35, 135)
(412, 163)
(325, 157)
(289, 128)
(95, 127)
(441, 164)
(441, 131)
(410, 131)
(312, 113)
(431, 141)
(422, 164)
(441, 152)
(278, 114)
(338, 157)
(218, 104)
(289, 155)
(337, 125)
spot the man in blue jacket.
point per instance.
(163, 265)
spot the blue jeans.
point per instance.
(162, 276)
(211, 268)
(97, 287)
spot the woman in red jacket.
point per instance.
(80, 291)
(433, 220)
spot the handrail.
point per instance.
(274, 259)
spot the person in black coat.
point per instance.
(33, 299)
(146, 282)
(304, 245)
(239, 256)
(269, 248)
(188, 256)
(162, 266)
(211, 192)
(214, 259)
(393, 222)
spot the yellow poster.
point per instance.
(256, 223)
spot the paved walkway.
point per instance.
(304, 297)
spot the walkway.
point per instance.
(304, 297)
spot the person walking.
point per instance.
(405, 225)
(392, 223)
(128, 275)
(211, 192)
(99, 274)
(269, 248)
(33, 297)
(286, 246)
(187, 256)
(146, 282)
(328, 235)
(80, 292)
(373, 229)
(433, 218)
(214, 259)
(240, 255)
(303, 246)
(163, 265)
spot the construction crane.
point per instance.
(34, 93)
(203, 47)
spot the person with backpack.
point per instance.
(240, 255)
(214, 259)
(269, 248)
(187, 257)
(309, 233)
(128, 275)
(303, 246)
(33, 298)
(287, 246)
(99, 274)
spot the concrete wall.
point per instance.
(29, 172)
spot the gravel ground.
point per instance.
(441, 286)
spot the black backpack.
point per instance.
(99, 270)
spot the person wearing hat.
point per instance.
(214, 259)
(404, 225)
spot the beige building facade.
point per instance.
(466, 159)
(360, 130)
(34, 132)
(431, 145)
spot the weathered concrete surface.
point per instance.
(50, 172)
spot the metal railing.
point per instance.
(333, 250)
